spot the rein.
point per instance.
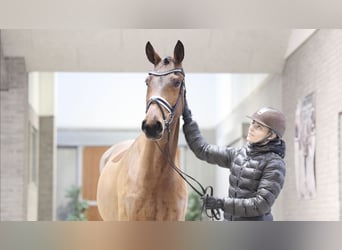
(204, 193)
(161, 102)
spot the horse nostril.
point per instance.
(159, 127)
(143, 125)
(152, 130)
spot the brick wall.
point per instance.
(18, 201)
(315, 67)
(13, 140)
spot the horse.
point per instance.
(138, 182)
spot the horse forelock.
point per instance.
(167, 60)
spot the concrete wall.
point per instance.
(13, 139)
(46, 167)
(32, 164)
(315, 67)
(3, 71)
(41, 100)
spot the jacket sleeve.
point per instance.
(269, 188)
(214, 154)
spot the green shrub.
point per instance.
(78, 207)
(194, 208)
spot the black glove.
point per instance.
(187, 116)
(211, 202)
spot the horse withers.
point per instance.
(137, 181)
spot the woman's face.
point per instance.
(256, 132)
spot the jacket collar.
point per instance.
(276, 146)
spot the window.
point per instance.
(67, 164)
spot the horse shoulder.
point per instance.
(119, 150)
(114, 153)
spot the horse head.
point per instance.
(165, 92)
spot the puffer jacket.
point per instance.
(256, 173)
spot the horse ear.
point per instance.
(152, 56)
(179, 52)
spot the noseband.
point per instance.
(161, 102)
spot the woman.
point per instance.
(257, 170)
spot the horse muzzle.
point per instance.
(153, 130)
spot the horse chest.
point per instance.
(151, 200)
(151, 207)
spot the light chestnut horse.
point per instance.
(138, 181)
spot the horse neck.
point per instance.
(171, 142)
(159, 153)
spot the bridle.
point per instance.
(161, 102)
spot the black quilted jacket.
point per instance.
(256, 173)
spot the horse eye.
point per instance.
(146, 81)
